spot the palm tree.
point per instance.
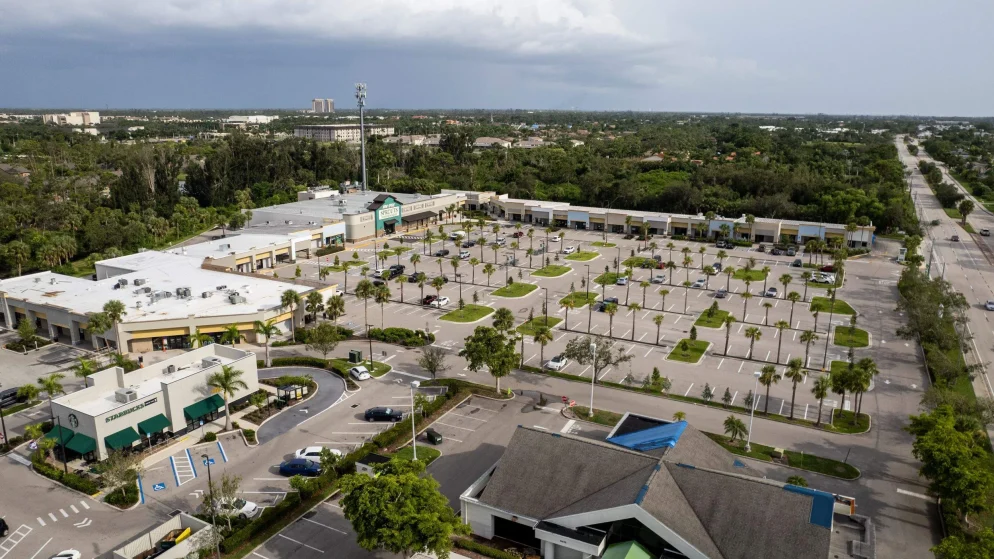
(679, 416)
(415, 259)
(529, 253)
(335, 307)
(751, 220)
(729, 272)
(365, 290)
(266, 329)
(729, 320)
(795, 374)
(653, 247)
(228, 382)
(658, 321)
(50, 385)
(382, 296)
(686, 293)
(644, 285)
(313, 304)
(290, 299)
(611, 309)
(231, 335)
(543, 337)
(820, 390)
(767, 305)
(745, 303)
(429, 239)
(671, 246)
(198, 338)
(567, 303)
(815, 313)
(785, 279)
(722, 255)
(634, 308)
(753, 334)
(702, 251)
(84, 367)
(867, 371)
(455, 262)
(663, 293)
(400, 281)
(473, 263)
(422, 280)
(768, 377)
(808, 337)
(671, 266)
(806, 277)
(708, 272)
(489, 270)
(793, 297)
(735, 427)
(115, 311)
(766, 275)
(687, 261)
(780, 325)
(438, 283)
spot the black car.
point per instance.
(445, 279)
(797, 263)
(468, 244)
(429, 299)
(379, 282)
(603, 304)
(4, 530)
(762, 247)
(383, 414)
(441, 253)
(416, 277)
(721, 293)
(9, 397)
(396, 270)
(716, 266)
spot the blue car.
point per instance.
(300, 467)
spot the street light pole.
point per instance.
(62, 443)
(752, 411)
(590, 305)
(4, 425)
(414, 433)
(210, 486)
(546, 306)
(593, 377)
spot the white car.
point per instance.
(989, 305)
(338, 293)
(700, 283)
(68, 554)
(501, 241)
(658, 279)
(622, 280)
(556, 363)
(771, 292)
(554, 239)
(314, 453)
(358, 373)
(569, 250)
(463, 254)
(440, 302)
(238, 507)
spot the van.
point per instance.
(456, 235)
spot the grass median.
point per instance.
(824, 305)
(469, 313)
(751, 275)
(717, 320)
(515, 290)
(344, 365)
(529, 328)
(579, 298)
(608, 278)
(603, 244)
(551, 271)
(851, 337)
(582, 256)
(693, 352)
(426, 454)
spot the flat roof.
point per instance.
(161, 271)
(237, 244)
(334, 207)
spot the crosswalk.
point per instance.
(15, 538)
(62, 514)
(183, 470)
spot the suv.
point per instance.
(771, 292)
(569, 250)
(9, 397)
(658, 279)
(761, 248)
(721, 244)
(603, 304)
(791, 252)
(396, 270)
(955, 238)
(416, 277)
(463, 254)
(469, 244)
(721, 293)
(383, 414)
(442, 253)
(797, 263)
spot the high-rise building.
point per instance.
(329, 105)
(322, 106)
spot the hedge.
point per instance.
(286, 508)
(324, 251)
(402, 336)
(315, 362)
(485, 550)
(249, 435)
(70, 480)
(302, 336)
(125, 501)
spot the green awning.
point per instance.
(153, 424)
(122, 439)
(626, 550)
(203, 407)
(65, 433)
(82, 444)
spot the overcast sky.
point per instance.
(841, 56)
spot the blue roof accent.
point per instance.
(822, 505)
(688, 466)
(641, 495)
(652, 438)
(656, 468)
(738, 464)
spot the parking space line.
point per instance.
(466, 416)
(300, 543)
(648, 352)
(455, 426)
(324, 526)
(688, 389)
(221, 448)
(732, 402)
(720, 362)
(259, 555)
(606, 371)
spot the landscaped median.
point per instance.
(515, 290)
(579, 298)
(608, 278)
(603, 244)
(552, 271)
(530, 327)
(799, 460)
(851, 337)
(469, 313)
(689, 351)
(751, 275)
(710, 319)
(846, 427)
(824, 305)
(583, 256)
(376, 369)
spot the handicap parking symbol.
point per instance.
(209, 462)
(158, 487)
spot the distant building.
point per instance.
(320, 106)
(487, 142)
(251, 119)
(84, 118)
(339, 132)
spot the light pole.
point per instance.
(546, 306)
(752, 411)
(414, 433)
(4, 425)
(210, 486)
(590, 305)
(593, 377)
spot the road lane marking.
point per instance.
(568, 426)
(85, 506)
(74, 509)
(913, 494)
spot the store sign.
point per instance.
(388, 212)
(73, 421)
(130, 410)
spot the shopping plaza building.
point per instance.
(121, 411)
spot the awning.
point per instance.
(420, 216)
(153, 424)
(203, 407)
(65, 432)
(122, 439)
(82, 444)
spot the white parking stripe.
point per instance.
(455, 426)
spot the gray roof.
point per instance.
(695, 489)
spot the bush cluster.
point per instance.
(209, 437)
(70, 480)
(402, 336)
(324, 251)
(249, 435)
(125, 501)
(271, 515)
(485, 550)
(302, 336)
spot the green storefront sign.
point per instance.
(132, 409)
(388, 215)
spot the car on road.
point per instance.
(68, 554)
(442, 253)
(797, 263)
(416, 277)
(429, 299)
(556, 363)
(440, 302)
(554, 239)
(569, 250)
(721, 293)
(359, 372)
(658, 278)
(239, 508)
(955, 238)
(383, 414)
(989, 305)
(622, 280)
(314, 452)
(699, 284)
(985, 232)
(300, 467)
(603, 304)
(463, 254)
(771, 292)
(518, 234)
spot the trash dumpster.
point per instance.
(433, 436)
(355, 356)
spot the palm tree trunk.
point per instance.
(820, 404)
(766, 406)
(793, 394)
(227, 414)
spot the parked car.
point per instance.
(463, 254)
(610, 300)
(4, 529)
(827, 268)
(955, 238)
(556, 363)
(429, 299)
(622, 280)
(416, 277)
(518, 234)
(569, 250)
(501, 241)
(68, 554)
(442, 253)
(716, 266)
(383, 414)
(359, 373)
(797, 263)
(791, 251)
(985, 232)
(300, 467)
(761, 247)
(554, 239)
(824, 278)
(721, 293)
(776, 251)
(699, 284)
(396, 270)
(771, 292)
(440, 302)
(469, 244)
(9, 397)
(379, 282)
(237, 507)
(721, 244)
(989, 305)
(314, 452)
(658, 278)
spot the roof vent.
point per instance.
(170, 369)
(125, 395)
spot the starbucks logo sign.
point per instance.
(73, 421)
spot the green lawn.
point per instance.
(824, 305)
(851, 337)
(842, 422)
(528, 328)
(19, 407)
(394, 251)
(838, 366)
(800, 460)
(751, 275)
(344, 365)
(693, 353)
(601, 417)
(608, 278)
(816, 285)
(347, 264)
(582, 256)
(953, 213)
(637, 261)
(426, 454)
(580, 298)
(516, 290)
(551, 271)
(716, 321)
(469, 313)
(603, 244)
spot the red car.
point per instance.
(828, 268)
(429, 300)
(518, 234)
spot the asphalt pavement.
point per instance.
(331, 387)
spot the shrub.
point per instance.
(482, 549)
(679, 237)
(209, 437)
(127, 500)
(324, 251)
(402, 336)
(741, 243)
(70, 480)
(249, 435)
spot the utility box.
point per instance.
(355, 356)
(433, 436)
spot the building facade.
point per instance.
(340, 132)
(321, 106)
(83, 118)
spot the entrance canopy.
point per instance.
(82, 444)
(153, 424)
(122, 439)
(203, 407)
(62, 435)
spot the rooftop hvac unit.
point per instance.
(138, 305)
(139, 281)
(224, 247)
(206, 294)
(235, 299)
(179, 291)
(122, 282)
(170, 369)
(210, 362)
(125, 395)
(222, 287)
(167, 294)
(146, 289)
(53, 281)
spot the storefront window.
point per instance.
(172, 342)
